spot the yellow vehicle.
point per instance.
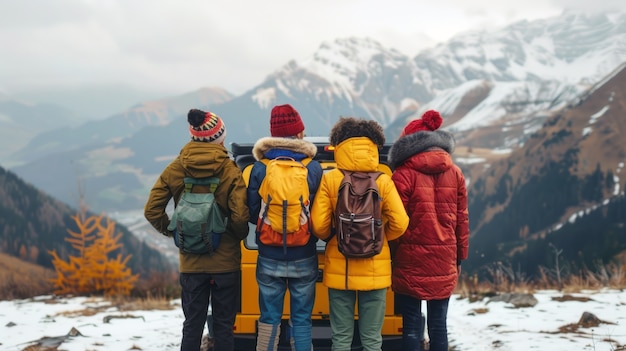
(246, 322)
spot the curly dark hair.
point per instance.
(350, 127)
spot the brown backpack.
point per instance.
(358, 215)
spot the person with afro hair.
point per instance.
(357, 281)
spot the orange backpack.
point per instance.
(284, 215)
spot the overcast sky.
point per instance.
(180, 46)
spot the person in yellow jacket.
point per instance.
(349, 280)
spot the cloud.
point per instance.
(589, 6)
(175, 47)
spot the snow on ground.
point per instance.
(473, 326)
(537, 328)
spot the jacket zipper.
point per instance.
(346, 273)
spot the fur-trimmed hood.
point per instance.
(419, 142)
(264, 145)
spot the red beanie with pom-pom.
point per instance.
(431, 120)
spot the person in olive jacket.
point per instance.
(206, 277)
(427, 258)
(357, 280)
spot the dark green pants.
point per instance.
(371, 309)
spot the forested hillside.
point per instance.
(32, 223)
(562, 192)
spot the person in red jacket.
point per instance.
(427, 258)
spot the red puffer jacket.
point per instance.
(434, 194)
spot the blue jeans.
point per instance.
(274, 278)
(222, 290)
(436, 315)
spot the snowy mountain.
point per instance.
(347, 77)
(356, 75)
(493, 88)
(563, 189)
(510, 80)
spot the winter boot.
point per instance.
(267, 337)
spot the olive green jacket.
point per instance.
(199, 160)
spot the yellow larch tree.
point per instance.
(92, 270)
(110, 275)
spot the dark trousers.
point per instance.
(223, 292)
(412, 323)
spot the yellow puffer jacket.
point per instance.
(357, 154)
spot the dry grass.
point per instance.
(143, 303)
(161, 285)
(568, 297)
(123, 304)
(501, 278)
(20, 279)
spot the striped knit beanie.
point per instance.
(206, 126)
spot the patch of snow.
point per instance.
(572, 218)
(283, 88)
(594, 118)
(264, 97)
(470, 160)
(501, 151)
(480, 325)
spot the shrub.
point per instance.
(92, 271)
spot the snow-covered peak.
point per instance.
(572, 48)
(349, 76)
(347, 52)
(516, 75)
(345, 62)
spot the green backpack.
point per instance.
(197, 222)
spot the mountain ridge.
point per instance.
(568, 169)
(537, 149)
(33, 223)
(68, 137)
(358, 77)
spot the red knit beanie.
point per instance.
(206, 126)
(285, 121)
(431, 120)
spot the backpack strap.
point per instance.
(377, 208)
(211, 182)
(305, 161)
